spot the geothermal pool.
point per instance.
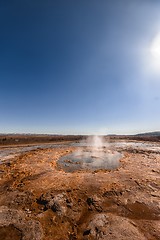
(95, 153)
(89, 160)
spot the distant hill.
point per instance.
(148, 134)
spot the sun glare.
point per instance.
(154, 54)
(155, 48)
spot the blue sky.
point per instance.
(81, 66)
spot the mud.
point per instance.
(40, 201)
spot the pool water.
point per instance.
(90, 160)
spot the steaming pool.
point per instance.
(89, 159)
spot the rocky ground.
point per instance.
(40, 201)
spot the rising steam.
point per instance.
(94, 153)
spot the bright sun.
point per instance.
(155, 47)
(154, 55)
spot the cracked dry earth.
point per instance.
(38, 201)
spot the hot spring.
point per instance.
(92, 154)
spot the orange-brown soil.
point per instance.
(40, 201)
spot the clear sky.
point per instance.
(79, 66)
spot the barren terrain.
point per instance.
(40, 200)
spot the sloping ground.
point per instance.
(39, 202)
